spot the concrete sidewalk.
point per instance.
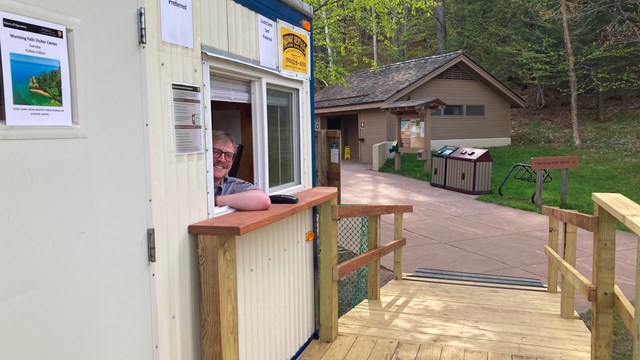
(452, 231)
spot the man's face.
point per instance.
(221, 165)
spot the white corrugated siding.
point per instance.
(275, 289)
(230, 27)
(178, 192)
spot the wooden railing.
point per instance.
(602, 291)
(331, 271)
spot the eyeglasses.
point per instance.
(229, 156)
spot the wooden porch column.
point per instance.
(604, 247)
(328, 261)
(218, 297)
(426, 118)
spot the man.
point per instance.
(231, 191)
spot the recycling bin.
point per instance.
(468, 170)
(439, 165)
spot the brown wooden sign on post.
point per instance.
(554, 162)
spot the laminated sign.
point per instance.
(294, 47)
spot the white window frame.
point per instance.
(260, 79)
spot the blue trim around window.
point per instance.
(274, 10)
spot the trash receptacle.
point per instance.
(469, 171)
(439, 165)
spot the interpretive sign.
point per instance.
(187, 118)
(35, 71)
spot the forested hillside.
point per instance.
(542, 48)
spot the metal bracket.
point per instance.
(151, 244)
(142, 26)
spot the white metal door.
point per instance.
(74, 276)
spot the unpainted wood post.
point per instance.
(328, 286)
(604, 247)
(552, 270)
(373, 269)
(397, 255)
(567, 302)
(218, 297)
(539, 180)
(397, 159)
(322, 157)
(563, 191)
(636, 309)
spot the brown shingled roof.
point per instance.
(380, 84)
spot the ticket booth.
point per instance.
(105, 138)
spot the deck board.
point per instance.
(435, 321)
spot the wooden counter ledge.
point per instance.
(242, 222)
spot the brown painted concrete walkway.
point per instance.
(453, 231)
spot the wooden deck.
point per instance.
(424, 320)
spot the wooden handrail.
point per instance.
(577, 280)
(625, 309)
(347, 267)
(331, 271)
(583, 221)
(347, 211)
(621, 207)
(602, 293)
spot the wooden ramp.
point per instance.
(431, 320)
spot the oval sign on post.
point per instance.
(555, 162)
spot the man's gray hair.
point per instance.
(221, 135)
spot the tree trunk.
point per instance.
(573, 82)
(375, 36)
(326, 38)
(540, 101)
(441, 29)
(601, 116)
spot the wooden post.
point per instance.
(563, 190)
(322, 158)
(396, 157)
(373, 269)
(636, 319)
(539, 178)
(397, 255)
(604, 247)
(328, 287)
(218, 297)
(552, 275)
(427, 140)
(567, 302)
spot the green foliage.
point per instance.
(344, 33)
(51, 82)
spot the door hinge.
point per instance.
(151, 244)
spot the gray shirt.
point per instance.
(232, 185)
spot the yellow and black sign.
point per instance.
(294, 50)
